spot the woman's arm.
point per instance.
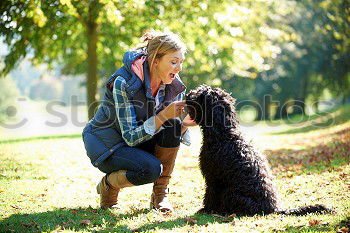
(133, 133)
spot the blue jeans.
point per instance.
(141, 166)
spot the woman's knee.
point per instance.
(148, 173)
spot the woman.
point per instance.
(135, 134)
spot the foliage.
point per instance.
(91, 37)
(289, 44)
(314, 58)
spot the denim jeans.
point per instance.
(141, 165)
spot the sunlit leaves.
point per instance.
(225, 39)
(38, 16)
(71, 9)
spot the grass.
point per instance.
(48, 185)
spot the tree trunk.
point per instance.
(281, 111)
(263, 110)
(315, 109)
(260, 111)
(299, 104)
(266, 107)
(343, 101)
(92, 79)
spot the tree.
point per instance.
(91, 36)
(73, 34)
(315, 55)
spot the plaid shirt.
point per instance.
(132, 133)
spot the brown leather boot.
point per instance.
(109, 188)
(159, 198)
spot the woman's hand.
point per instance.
(188, 122)
(173, 110)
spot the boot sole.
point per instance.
(152, 207)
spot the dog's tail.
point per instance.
(306, 210)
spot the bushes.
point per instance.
(46, 88)
(8, 98)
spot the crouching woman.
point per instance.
(135, 135)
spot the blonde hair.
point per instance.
(161, 43)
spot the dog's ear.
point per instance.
(224, 115)
(193, 101)
(220, 115)
(195, 111)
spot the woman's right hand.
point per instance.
(173, 110)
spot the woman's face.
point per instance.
(168, 66)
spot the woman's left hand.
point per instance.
(188, 122)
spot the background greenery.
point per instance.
(290, 51)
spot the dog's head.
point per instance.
(211, 107)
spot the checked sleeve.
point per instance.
(132, 133)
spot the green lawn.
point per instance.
(47, 184)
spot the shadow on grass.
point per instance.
(204, 220)
(27, 139)
(97, 220)
(196, 219)
(69, 219)
(319, 121)
(106, 221)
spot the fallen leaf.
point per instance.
(190, 220)
(58, 229)
(225, 220)
(167, 214)
(31, 224)
(217, 216)
(342, 176)
(314, 222)
(16, 207)
(343, 230)
(134, 209)
(232, 215)
(85, 222)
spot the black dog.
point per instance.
(238, 178)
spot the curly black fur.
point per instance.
(238, 178)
